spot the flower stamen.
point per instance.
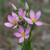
(14, 23)
(23, 35)
(20, 18)
(33, 20)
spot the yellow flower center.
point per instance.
(20, 18)
(23, 35)
(14, 23)
(33, 20)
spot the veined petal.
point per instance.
(27, 36)
(27, 30)
(14, 27)
(20, 12)
(38, 14)
(32, 14)
(8, 24)
(39, 23)
(10, 18)
(17, 34)
(21, 29)
(21, 39)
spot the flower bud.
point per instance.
(26, 6)
(14, 7)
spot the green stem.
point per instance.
(27, 43)
(31, 30)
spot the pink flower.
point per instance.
(13, 20)
(33, 18)
(21, 13)
(23, 35)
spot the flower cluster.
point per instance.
(16, 18)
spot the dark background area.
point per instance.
(40, 35)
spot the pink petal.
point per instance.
(27, 36)
(10, 18)
(14, 27)
(27, 30)
(28, 20)
(32, 14)
(17, 34)
(38, 14)
(15, 17)
(21, 39)
(24, 13)
(20, 12)
(14, 14)
(8, 24)
(21, 29)
(39, 23)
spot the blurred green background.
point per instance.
(40, 35)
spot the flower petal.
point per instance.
(10, 18)
(15, 17)
(27, 36)
(14, 14)
(20, 12)
(27, 30)
(17, 34)
(14, 27)
(21, 29)
(39, 23)
(38, 14)
(24, 13)
(8, 24)
(21, 39)
(28, 20)
(32, 14)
